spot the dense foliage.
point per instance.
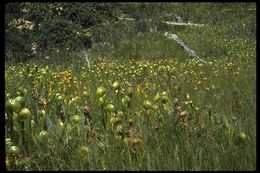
(53, 25)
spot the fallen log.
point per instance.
(183, 24)
(186, 48)
(125, 18)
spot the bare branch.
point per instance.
(86, 59)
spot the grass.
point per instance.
(168, 113)
(222, 93)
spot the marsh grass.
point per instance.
(220, 106)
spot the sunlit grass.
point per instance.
(133, 115)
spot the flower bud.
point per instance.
(101, 91)
(116, 85)
(109, 107)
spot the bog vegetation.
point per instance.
(141, 102)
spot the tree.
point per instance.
(53, 26)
